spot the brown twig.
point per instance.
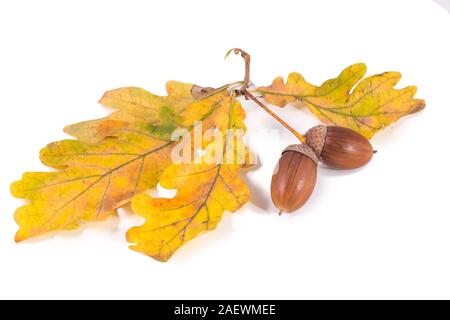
(246, 58)
(243, 91)
(259, 103)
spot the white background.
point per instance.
(379, 232)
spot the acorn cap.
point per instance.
(303, 149)
(315, 138)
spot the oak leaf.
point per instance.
(204, 192)
(367, 107)
(114, 159)
(137, 110)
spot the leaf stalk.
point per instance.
(246, 58)
(243, 91)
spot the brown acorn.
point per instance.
(294, 177)
(339, 147)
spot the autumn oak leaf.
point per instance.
(365, 105)
(137, 110)
(204, 192)
(113, 160)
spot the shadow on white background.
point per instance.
(444, 3)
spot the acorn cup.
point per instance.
(339, 147)
(294, 178)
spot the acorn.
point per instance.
(339, 147)
(294, 177)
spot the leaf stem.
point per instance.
(265, 108)
(243, 91)
(246, 58)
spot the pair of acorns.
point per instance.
(295, 176)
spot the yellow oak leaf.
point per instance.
(103, 171)
(367, 107)
(204, 192)
(137, 110)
